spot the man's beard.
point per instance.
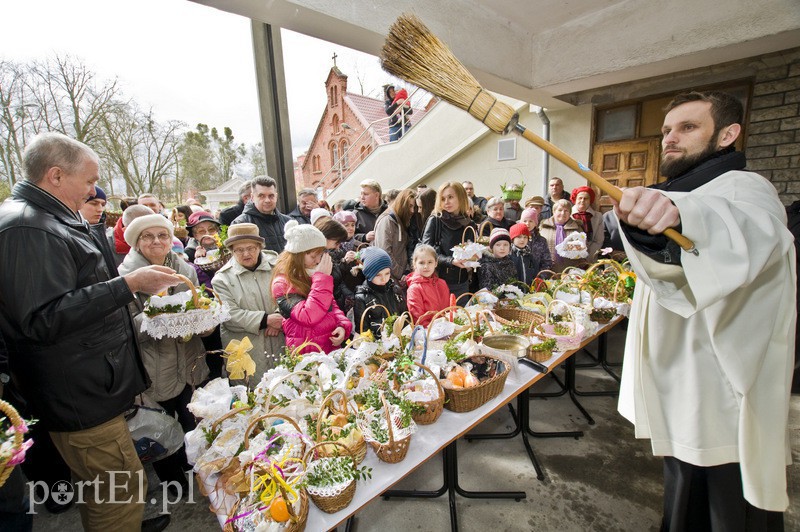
(677, 166)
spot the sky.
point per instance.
(186, 61)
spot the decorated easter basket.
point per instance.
(19, 428)
(203, 315)
(212, 266)
(330, 499)
(250, 512)
(567, 334)
(337, 402)
(395, 449)
(467, 399)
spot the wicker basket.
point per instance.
(522, 316)
(538, 355)
(337, 501)
(434, 407)
(18, 424)
(358, 449)
(467, 399)
(296, 523)
(180, 324)
(393, 451)
(564, 342)
(112, 217)
(212, 267)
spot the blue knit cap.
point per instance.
(99, 193)
(374, 260)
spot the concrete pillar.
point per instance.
(271, 84)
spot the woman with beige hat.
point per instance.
(243, 284)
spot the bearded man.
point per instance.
(710, 346)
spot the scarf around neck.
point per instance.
(585, 218)
(454, 221)
(706, 171)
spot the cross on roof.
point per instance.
(334, 58)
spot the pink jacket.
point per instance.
(426, 294)
(315, 317)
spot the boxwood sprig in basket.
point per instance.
(371, 398)
(203, 299)
(547, 345)
(335, 470)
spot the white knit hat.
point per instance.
(301, 238)
(141, 223)
(318, 213)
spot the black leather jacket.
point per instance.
(270, 226)
(64, 315)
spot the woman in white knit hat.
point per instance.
(303, 287)
(172, 364)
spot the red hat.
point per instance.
(519, 229)
(578, 190)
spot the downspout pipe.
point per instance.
(546, 159)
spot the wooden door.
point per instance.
(627, 163)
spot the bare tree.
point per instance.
(139, 150)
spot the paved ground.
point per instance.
(605, 481)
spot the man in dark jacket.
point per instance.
(555, 189)
(368, 209)
(306, 202)
(227, 216)
(262, 210)
(64, 316)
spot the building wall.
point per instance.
(569, 130)
(773, 141)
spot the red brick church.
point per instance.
(351, 127)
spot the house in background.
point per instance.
(224, 195)
(350, 129)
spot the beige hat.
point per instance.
(535, 201)
(239, 232)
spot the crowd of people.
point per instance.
(313, 278)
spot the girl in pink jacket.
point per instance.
(303, 288)
(427, 293)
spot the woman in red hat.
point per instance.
(582, 199)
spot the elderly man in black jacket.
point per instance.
(64, 316)
(263, 211)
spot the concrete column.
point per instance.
(271, 84)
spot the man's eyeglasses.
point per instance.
(150, 238)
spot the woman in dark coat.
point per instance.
(445, 229)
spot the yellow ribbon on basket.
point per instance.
(267, 484)
(240, 363)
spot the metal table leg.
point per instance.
(569, 380)
(602, 357)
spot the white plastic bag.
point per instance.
(155, 433)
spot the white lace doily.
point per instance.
(180, 324)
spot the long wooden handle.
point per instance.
(596, 180)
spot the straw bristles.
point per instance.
(411, 52)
